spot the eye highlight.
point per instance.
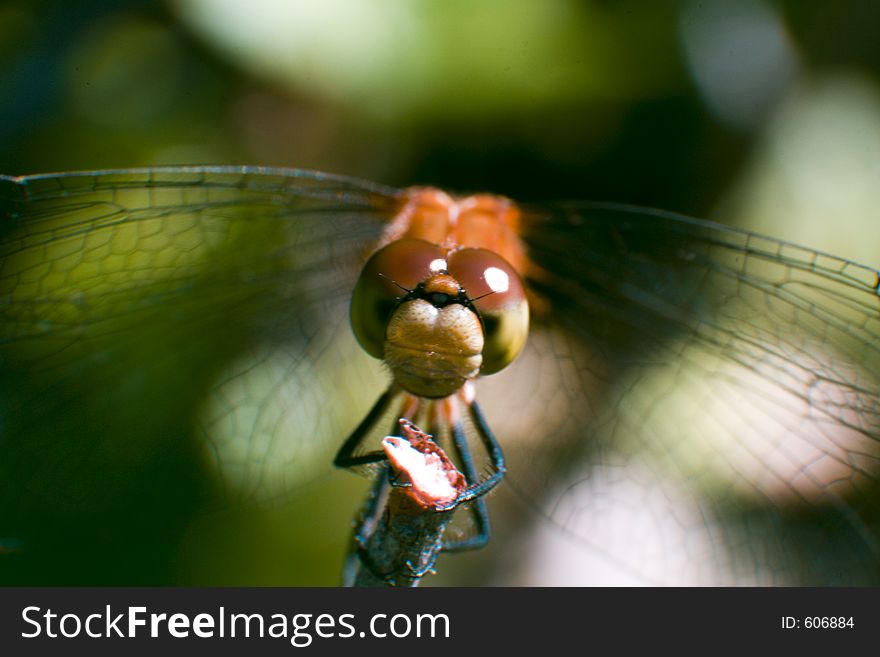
(497, 279)
(389, 273)
(497, 293)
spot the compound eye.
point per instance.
(498, 294)
(388, 275)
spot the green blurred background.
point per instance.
(698, 107)
(764, 114)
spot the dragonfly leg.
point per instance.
(478, 509)
(496, 455)
(346, 457)
(419, 573)
(369, 516)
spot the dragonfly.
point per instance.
(693, 403)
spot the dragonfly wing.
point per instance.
(706, 403)
(696, 405)
(159, 324)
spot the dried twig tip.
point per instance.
(430, 477)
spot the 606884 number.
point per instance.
(818, 622)
(826, 622)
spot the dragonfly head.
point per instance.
(439, 317)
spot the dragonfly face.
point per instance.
(695, 404)
(438, 300)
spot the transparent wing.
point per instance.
(700, 406)
(158, 326)
(695, 405)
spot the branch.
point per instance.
(406, 541)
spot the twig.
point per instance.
(400, 546)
